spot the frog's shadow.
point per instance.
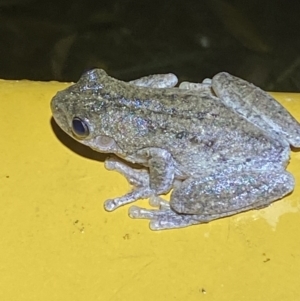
(295, 149)
(75, 146)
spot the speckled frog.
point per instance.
(221, 146)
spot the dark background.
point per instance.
(59, 40)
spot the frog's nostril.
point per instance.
(80, 128)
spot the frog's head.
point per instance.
(82, 111)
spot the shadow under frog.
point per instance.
(76, 147)
(221, 146)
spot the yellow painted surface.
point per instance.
(58, 243)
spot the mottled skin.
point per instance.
(222, 145)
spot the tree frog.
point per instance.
(221, 146)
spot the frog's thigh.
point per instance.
(257, 106)
(230, 194)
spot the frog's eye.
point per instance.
(80, 128)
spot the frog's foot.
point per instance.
(205, 86)
(135, 177)
(136, 194)
(139, 178)
(196, 201)
(164, 217)
(156, 81)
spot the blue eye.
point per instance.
(80, 128)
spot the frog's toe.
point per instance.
(163, 224)
(128, 198)
(156, 217)
(138, 212)
(113, 204)
(173, 221)
(110, 163)
(156, 225)
(162, 219)
(156, 201)
(110, 205)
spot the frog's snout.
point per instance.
(57, 113)
(54, 105)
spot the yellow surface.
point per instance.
(58, 243)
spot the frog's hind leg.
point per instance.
(257, 106)
(197, 201)
(164, 217)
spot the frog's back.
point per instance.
(219, 139)
(196, 125)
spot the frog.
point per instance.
(219, 147)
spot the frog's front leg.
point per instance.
(158, 179)
(198, 201)
(139, 178)
(161, 169)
